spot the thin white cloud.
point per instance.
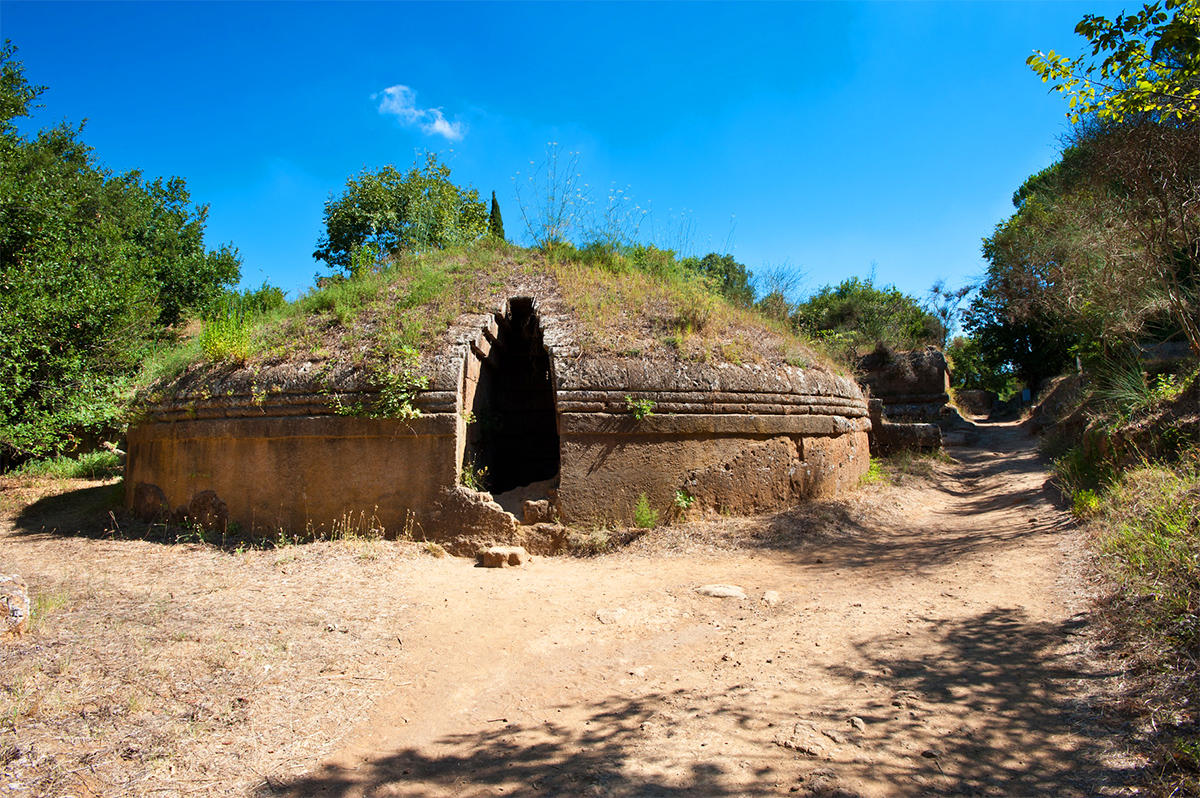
(401, 102)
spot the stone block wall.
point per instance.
(300, 474)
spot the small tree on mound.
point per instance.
(393, 211)
(495, 223)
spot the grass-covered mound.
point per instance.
(384, 327)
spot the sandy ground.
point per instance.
(931, 641)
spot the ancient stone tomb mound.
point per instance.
(518, 428)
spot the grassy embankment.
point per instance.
(1133, 476)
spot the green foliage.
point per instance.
(226, 339)
(398, 389)
(1030, 345)
(90, 465)
(1085, 503)
(93, 268)
(632, 299)
(858, 315)
(397, 380)
(639, 408)
(943, 305)
(875, 473)
(1150, 527)
(1085, 466)
(684, 500)
(343, 298)
(17, 95)
(731, 279)
(1106, 243)
(495, 221)
(644, 517)
(1103, 251)
(393, 211)
(231, 319)
(363, 259)
(1151, 66)
(974, 368)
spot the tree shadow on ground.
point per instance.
(580, 758)
(997, 711)
(1019, 701)
(997, 502)
(98, 512)
(86, 511)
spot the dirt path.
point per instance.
(932, 653)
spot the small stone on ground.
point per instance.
(721, 591)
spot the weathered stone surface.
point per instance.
(538, 512)
(771, 598)
(150, 503)
(761, 477)
(268, 442)
(603, 475)
(543, 538)
(503, 556)
(836, 464)
(914, 386)
(466, 521)
(290, 474)
(887, 438)
(209, 511)
(721, 591)
(634, 375)
(14, 604)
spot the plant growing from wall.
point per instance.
(473, 477)
(397, 387)
(639, 408)
(644, 517)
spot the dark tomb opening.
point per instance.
(513, 431)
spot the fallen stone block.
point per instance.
(150, 503)
(503, 556)
(209, 511)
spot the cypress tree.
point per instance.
(495, 223)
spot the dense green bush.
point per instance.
(731, 279)
(857, 315)
(94, 269)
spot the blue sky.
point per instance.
(815, 138)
